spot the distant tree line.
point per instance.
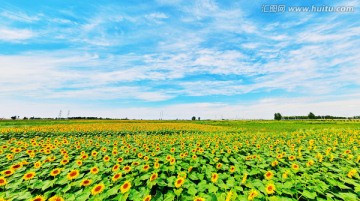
(278, 116)
(194, 118)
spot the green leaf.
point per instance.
(67, 188)
(38, 184)
(254, 171)
(170, 196)
(347, 196)
(178, 191)
(288, 185)
(230, 182)
(357, 189)
(225, 160)
(192, 190)
(84, 196)
(112, 191)
(193, 176)
(62, 181)
(145, 177)
(212, 188)
(70, 197)
(47, 184)
(308, 194)
(25, 195)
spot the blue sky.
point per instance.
(214, 59)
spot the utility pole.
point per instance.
(59, 117)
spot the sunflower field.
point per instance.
(177, 162)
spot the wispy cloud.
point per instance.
(15, 35)
(178, 52)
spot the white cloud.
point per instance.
(20, 16)
(15, 35)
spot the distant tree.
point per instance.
(199, 118)
(13, 117)
(193, 118)
(277, 116)
(25, 118)
(311, 115)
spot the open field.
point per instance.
(179, 160)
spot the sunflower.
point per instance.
(190, 168)
(268, 175)
(29, 175)
(351, 173)
(94, 153)
(72, 174)
(285, 175)
(64, 161)
(16, 166)
(214, 177)
(147, 198)
(243, 181)
(106, 158)
(3, 181)
(116, 177)
(125, 187)
(94, 170)
(194, 157)
(145, 167)
(274, 163)
(153, 176)
(292, 158)
(115, 167)
(229, 195)
(37, 164)
(10, 157)
(85, 156)
(172, 161)
(199, 199)
(39, 198)
(55, 172)
(56, 198)
(295, 166)
(98, 188)
(252, 194)
(218, 166)
(127, 169)
(310, 163)
(270, 189)
(232, 169)
(8, 172)
(85, 182)
(119, 160)
(79, 162)
(179, 182)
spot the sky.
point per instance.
(177, 59)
